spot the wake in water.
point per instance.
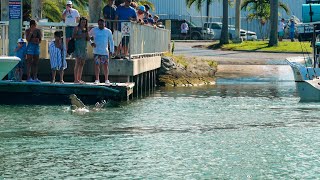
(77, 106)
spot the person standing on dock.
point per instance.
(125, 14)
(102, 38)
(20, 52)
(34, 37)
(109, 13)
(81, 36)
(70, 16)
(58, 54)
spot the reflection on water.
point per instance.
(233, 130)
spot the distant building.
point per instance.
(177, 9)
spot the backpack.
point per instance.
(71, 46)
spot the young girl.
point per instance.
(57, 56)
(21, 51)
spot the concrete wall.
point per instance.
(119, 70)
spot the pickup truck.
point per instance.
(305, 31)
(194, 33)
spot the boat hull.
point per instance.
(7, 63)
(307, 80)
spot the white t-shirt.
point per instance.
(102, 37)
(281, 26)
(184, 28)
(71, 17)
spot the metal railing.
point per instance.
(4, 34)
(143, 39)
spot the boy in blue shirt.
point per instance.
(20, 51)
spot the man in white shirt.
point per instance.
(102, 37)
(184, 29)
(70, 16)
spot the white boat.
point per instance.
(7, 63)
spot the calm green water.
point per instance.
(251, 130)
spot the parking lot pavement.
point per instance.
(231, 57)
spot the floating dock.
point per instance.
(56, 93)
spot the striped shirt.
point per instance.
(57, 61)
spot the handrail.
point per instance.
(4, 26)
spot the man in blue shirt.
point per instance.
(109, 14)
(125, 14)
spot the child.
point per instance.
(57, 56)
(20, 51)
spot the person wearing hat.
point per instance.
(20, 52)
(292, 29)
(140, 13)
(58, 55)
(70, 16)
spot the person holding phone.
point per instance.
(70, 16)
(33, 36)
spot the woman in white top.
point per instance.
(57, 56)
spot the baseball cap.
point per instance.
(69, 2)
(142, 8)
(20, 40)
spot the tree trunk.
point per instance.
(273, 41)
(36, 9)
(4, 10)
(238, 20)
(95, 9)
(208, 11)
(224, 39)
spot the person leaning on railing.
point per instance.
(125, 13)
(109, 13)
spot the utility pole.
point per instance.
(4, 10)
(94, 10)
(36, 11)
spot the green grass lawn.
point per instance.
(284, 46)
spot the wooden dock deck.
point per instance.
(48, 93)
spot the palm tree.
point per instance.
(224, 38)
(273, 41)
(94, 14)
(260, 9)
(237, 20)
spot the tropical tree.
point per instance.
(260, 9)
(224, 38)
(273, 41)
(237, 20)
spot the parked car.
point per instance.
(217, 27)
(194, 33)
(305, 31)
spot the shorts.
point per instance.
(280, 34)
(101, 59)
(69, 31)
(33, 49)
(20, 65)
(125, 40)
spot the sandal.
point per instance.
(62, 82)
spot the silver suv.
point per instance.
(217, 26)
